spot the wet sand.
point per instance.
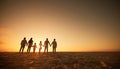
(60, 60)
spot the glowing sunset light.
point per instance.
(76, 25)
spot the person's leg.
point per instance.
(47, 49)
(39, 50)
(44, 49)
(28, 49)
(34, 50)
(23, 49)
(20, 49)
(53, 49)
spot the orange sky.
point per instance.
(76, 25)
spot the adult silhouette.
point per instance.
(30, 42)
(23, 43)
(54, 43)
(46, 45)
(40, 46)
(34, 47)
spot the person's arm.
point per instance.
(56, 44)
(21, 43)
(49, 44)
(26, 43)
(33, 46)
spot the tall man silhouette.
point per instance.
(54, 43)
(30, 42)
(23, 43)
(46, 45)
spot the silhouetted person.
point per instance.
(54, 43)
(40, 46)
(34, 47)
(30, 42)
(23, 43)
(46, 45)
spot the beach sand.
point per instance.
(60, 60)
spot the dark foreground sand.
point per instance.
(61, 60)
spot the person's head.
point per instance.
(34, 43)
(46, 39)
(40, 41)
(54, 39)
(24, 38)
(30, 38)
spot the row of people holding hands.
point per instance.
(30, 44)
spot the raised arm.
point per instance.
(49, 43)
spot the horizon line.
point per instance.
(64, 51)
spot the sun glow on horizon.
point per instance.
(76, 25)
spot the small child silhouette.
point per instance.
(34, 47)
(40, 46)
